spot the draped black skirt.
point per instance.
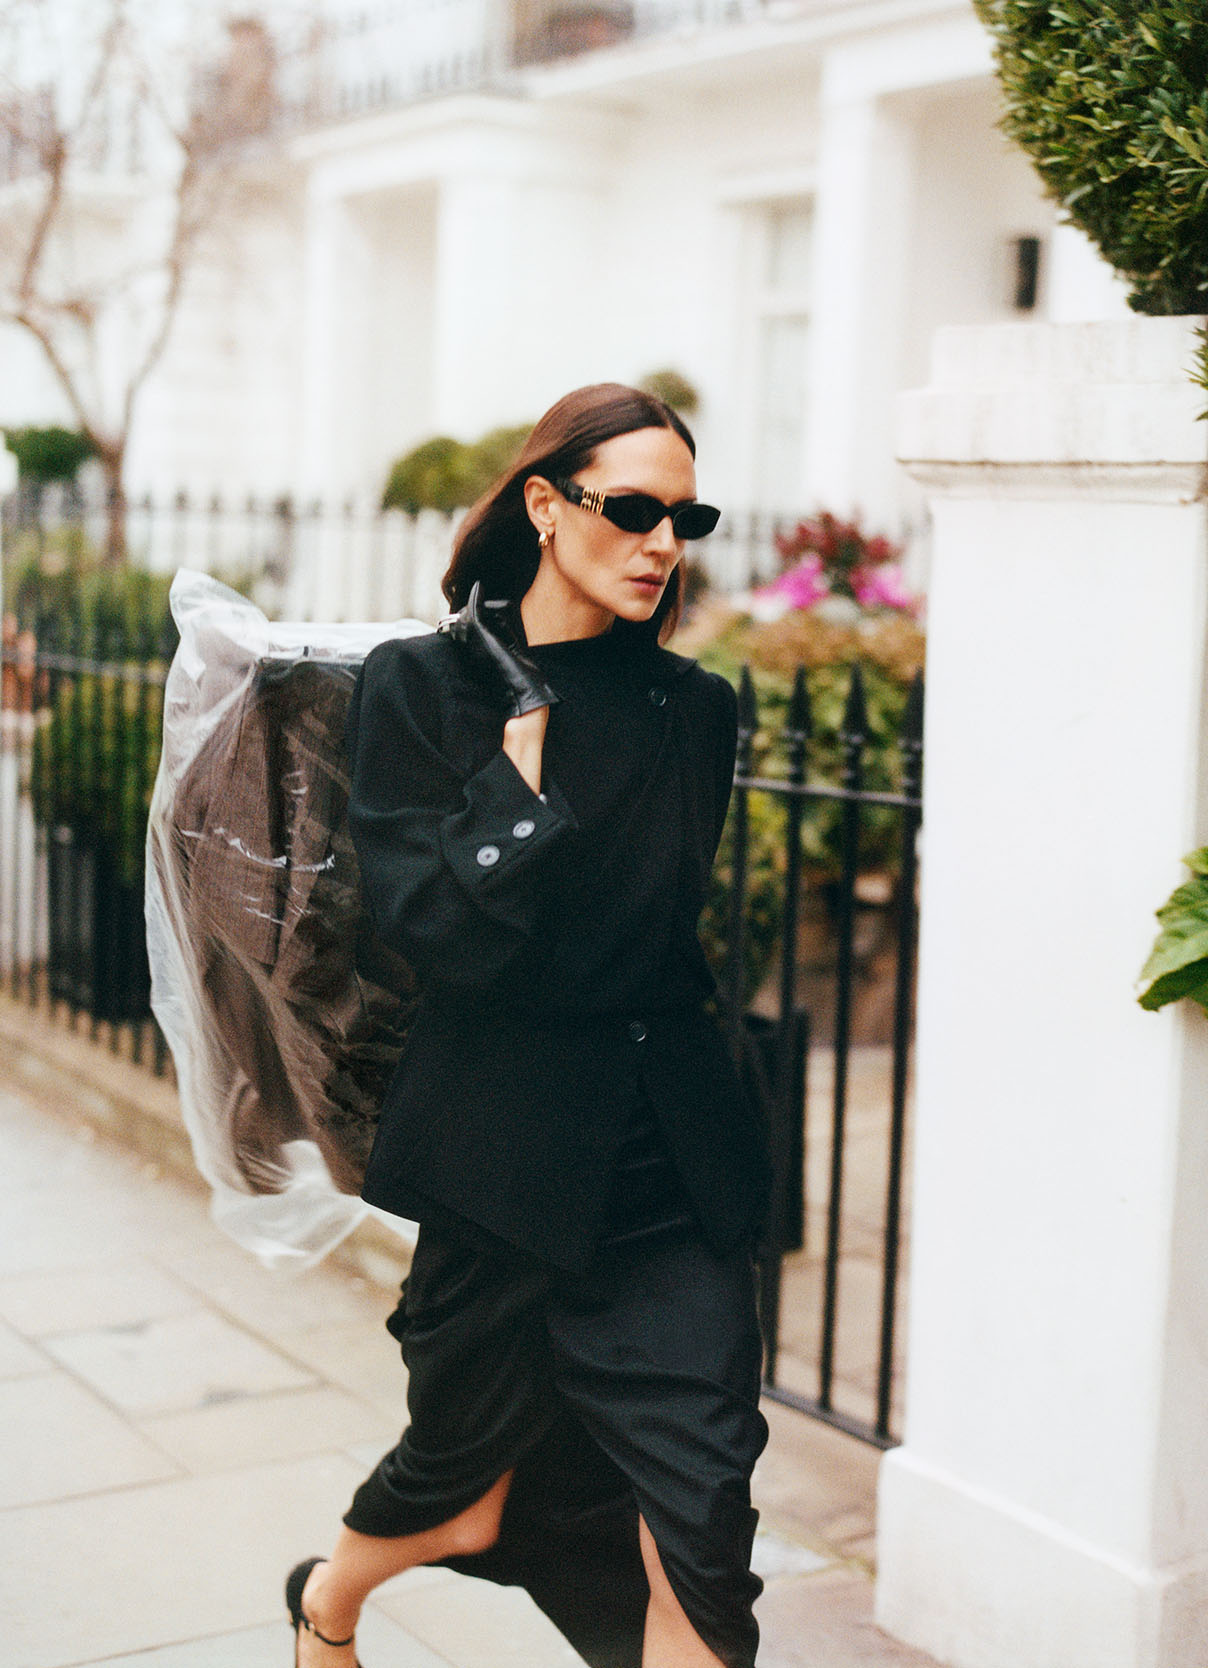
(632, 1388)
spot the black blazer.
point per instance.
(506, 1106)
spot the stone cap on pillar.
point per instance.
(1059, 409)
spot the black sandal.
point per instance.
(295, 1582)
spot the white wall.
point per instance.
(398, 395)
(974, 193)
(28, 390)
(221, 415)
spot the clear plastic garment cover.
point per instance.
(284, 1015)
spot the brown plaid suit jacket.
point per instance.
(298, 1039)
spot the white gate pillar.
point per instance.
(1049, 1506)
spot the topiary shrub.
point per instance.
(430, 476)
(53, 454)
(446, 474)
(673, 389)
(1110, 100)
(495, 453)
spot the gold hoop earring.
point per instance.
(545, 539)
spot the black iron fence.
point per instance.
(838, 1361)
(79, 745)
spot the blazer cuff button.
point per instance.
(488, 856)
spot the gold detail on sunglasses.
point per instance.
(592, 500)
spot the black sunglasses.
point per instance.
(641, 512)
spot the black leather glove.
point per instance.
(490, 637)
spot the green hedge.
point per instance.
(96, 749)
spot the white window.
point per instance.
(784, 245)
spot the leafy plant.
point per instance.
(1199, 371)
(52, 454)
(58, 580)
(673, 389)
(767, 859)
(1110, 100)
(446, 474)
(96, 747)
(889, 651)
(885, 672)
(1178, 963)
(496, 452)
(96, 752)
(430, 476)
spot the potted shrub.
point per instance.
(1107, 97)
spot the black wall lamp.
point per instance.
(1026, 255)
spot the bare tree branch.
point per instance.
(59, 367)
(55, 163)
(58, 224)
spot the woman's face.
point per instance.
(592, 572)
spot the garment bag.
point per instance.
(284, 1014)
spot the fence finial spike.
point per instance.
(746, 700)
(800, 715)
(912, 718)
(855, 713)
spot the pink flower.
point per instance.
(800, 586)
(882, 587)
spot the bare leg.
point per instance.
(336, 1590)
(670, 1640)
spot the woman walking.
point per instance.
(537, 794)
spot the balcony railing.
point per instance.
(405, 50)
(380, 57)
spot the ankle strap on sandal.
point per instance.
(322, 1637)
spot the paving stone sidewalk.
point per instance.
(180, 1426)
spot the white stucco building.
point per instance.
(473, 205)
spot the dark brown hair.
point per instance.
(497, 543)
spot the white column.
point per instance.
(336, 324)
(335, 398)
(1049, 1506)
(865, 179)
(479, 357)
